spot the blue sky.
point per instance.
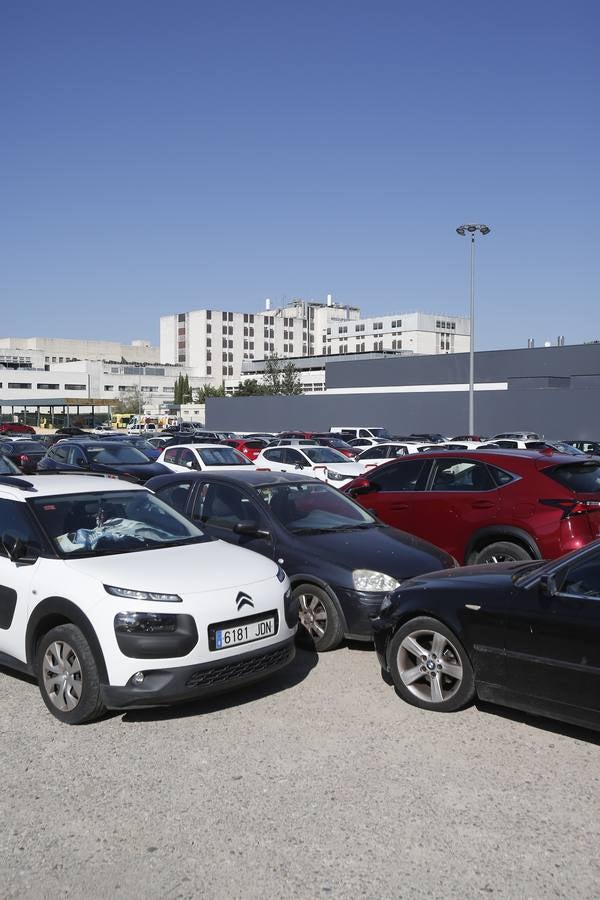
(158, 157)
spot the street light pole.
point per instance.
(472, 230)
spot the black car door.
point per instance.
(219, 507)
(553, 640)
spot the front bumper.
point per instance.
(358, 608)
(165, 686)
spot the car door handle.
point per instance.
(482, 504)
(399, 506)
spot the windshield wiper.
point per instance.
(333, 529)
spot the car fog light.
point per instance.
(138, 678)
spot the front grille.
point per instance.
(238, 669)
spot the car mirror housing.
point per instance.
(13, 546)
(362, 486)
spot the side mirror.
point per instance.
(299, 465)
(14, 547)
(548, 585)
(362, 486)
(250, 529)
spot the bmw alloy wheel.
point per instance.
(429, 666)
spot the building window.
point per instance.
(209, 314)
(181, 358)
(225, 342)
(181, 330)
(397, 323)
(230, 345)
(245, 320)
(209, 354)
(209, 342)
(181, 317)
(47, 387)
(109, 387)
(377, 326)
(209, 370)
(75, 387)
(208, 328)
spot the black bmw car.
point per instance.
(110, 457)
(341, 561)
(525, 635)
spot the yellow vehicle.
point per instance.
(121, 420)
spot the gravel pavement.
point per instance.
(317, 783)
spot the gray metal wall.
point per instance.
(555, 391)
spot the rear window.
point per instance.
(579, 478)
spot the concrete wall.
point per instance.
(555, 391)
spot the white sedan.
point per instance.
(321, 462)
(201, 457)
(382, 453)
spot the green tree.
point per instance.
(250, 388)
(290, 380)
(272, 376)
(209, 391)
(129, 402)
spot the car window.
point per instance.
(176, 495)
(171, 455)
(408, 475)
(60, 454)
(274, 455)
(577, 477)
(187, 459)
(461, 475)
(294, 457)
(375, 453)
(16, 520)
(222, 456)
(322, 455)
(583, 578)
(77, 457)
(7, 467)
(507, 445)
(224, 505)
(500, 476)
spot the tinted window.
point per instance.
(7, 467)
(116, 455)
(461, 475)
(222, 456)
(507, 445)
(16, 520)
(583, 578)
(325, 455)
(294, 458)
(28, 447)
(224, 506)
(375, 453)
(60, 454)
(500, 476)
(175, 494)
(404, 476)
(274, 455)
(313, 506)
(187, 458)
(171, 456)
(580, 478)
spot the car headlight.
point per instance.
(141, 595)
(366, 580)
(336, 476)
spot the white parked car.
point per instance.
(199, 457)
(382, 453)
(321, 462)
(364, 442)
(349, 432)
(147, 429)
(112, 599)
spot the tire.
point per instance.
(325, 630)
(430, 667)
(68, 676)
(502, 551)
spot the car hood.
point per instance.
(381, 549)
(193, 569)
(350, 469)
(489, 575)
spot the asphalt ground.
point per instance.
(317, 783)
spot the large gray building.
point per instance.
(553, 390)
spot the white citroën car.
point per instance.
(112, 599)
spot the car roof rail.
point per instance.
(15, 481)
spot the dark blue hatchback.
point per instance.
(110, 457)
(341, 561)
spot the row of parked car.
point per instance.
(208, 558)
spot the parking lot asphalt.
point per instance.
(317, 783)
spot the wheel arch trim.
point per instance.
(500, 533)
(62, 608)
(299, 578)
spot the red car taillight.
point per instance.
(573, 507)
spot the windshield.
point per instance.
(115, 455)
(222, 456)
(28, 447)
(313, 506)
(111, 522)
(325, 455)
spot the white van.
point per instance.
(147, 429)
(348, 432)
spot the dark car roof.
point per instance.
(253, 478)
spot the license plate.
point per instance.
(242, 631)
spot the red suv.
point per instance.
(488, 506)
(250, 448)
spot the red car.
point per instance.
(488, 505)
(15, 428)
(250, 448)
